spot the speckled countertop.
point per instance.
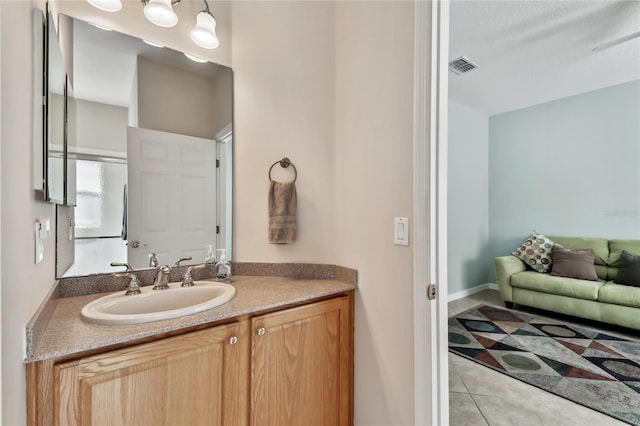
(65, 333)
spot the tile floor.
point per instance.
(481, 396)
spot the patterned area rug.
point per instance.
(583, 365)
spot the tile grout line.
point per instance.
(478, 407)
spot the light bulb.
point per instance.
(161, 13)
(106, 5)
(204, 33)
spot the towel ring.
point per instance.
(284, 163)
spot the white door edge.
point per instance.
(431, 386)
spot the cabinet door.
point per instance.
(192, 379)
(302, 365)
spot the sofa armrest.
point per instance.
(505, 266)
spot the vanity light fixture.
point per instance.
(100, 27)
(195, 58)
(204, 33)
(150, 43)
(160, 12)
(106, 5)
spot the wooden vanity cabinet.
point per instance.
(288, 367)
(302, 364)
(191, 379)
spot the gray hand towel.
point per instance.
(283, 207)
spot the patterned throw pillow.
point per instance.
(535, 251)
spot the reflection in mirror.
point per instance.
(149, 127)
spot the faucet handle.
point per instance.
(154, 262)
(134, 284)
(126, 265)
(182, 259)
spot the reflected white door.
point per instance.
(171, 208)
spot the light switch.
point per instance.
(401, 231)
(39, 243)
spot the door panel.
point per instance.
(170, 208)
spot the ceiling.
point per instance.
(529, 52)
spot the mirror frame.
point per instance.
(44, 21)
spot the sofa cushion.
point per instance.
(629, 272)
(600, 247)
(535, 252)
(616, 247)
(545, 283)
(573, 264)
(619, 294)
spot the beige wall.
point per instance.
(373, 168)
(341, 108)
(24, 284)
(328, 85)
(171, 99)
(222, 99)
(284, 73)
(100, 126)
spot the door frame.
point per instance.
(431, 367)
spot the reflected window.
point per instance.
(90, 193)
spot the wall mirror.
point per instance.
(152, 151)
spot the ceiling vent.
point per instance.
(462, 65)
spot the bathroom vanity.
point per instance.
(280, 352)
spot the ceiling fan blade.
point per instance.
(615, 42)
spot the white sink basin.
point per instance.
(154, 305)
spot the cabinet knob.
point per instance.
(233, 340)
(261, 331)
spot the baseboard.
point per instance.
(469, 291)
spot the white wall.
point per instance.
(24, 284)
(569, 167)
(468, 212)
(284, 74)
(373, 183)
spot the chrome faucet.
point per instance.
(134, 285)
(153, 260)
(187, 279)
(162, 279)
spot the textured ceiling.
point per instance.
(529, 52)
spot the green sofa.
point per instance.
(601, 300)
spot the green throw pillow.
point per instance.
(535, 251)
(629, 272)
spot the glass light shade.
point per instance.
(161, 13)
(106, 5)
(151, 43)
(204, 33)
(195, 58)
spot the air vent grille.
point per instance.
(462, 65)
